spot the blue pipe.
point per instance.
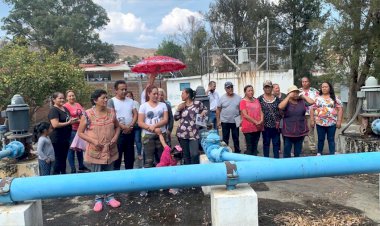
(375, 126)
(30, 188)
(14, 149)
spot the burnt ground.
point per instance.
(191, 207)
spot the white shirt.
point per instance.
(214, 100)
(124, 110)
(153, 115)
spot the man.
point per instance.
(277, 93)
(214, 100)
(226, 114)
(126, 114)
(312, 93)
(269, 105)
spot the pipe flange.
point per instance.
(232, 175)
(5, 185)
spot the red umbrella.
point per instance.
(158, 64)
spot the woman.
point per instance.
(187, 131)
(252, 120)
(136, 128)
(75, 110)
(102, 131)
(61, 122)
(169, 126)
(295, 126)
(152, 114)
(327, 113)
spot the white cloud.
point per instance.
(110, 5)
(175, 19)
(120, 22)
(145, 38)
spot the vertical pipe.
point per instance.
(257, 45)
(267, 43)
(208, 69)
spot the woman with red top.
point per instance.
(102, 131)
(252, 119)
(75, 110)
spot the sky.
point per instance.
(142, 23)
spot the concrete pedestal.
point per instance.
(24, 214)
(27, 213)
(207, 189)
(234, 207)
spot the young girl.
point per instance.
(45, 148)
(171, 157)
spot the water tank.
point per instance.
(200, 94)
(18, 115)
(371, 92)
(243, 56)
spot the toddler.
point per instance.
(45, 148)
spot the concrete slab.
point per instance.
(24, 214)
(234, 207)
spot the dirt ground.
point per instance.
(343, 200)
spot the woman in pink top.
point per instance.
(252, 120)
(76, 111)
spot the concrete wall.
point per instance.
(283, 77)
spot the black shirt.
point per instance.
(271, 111)
(62, 134)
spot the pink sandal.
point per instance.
(98, 206)
(113, 203)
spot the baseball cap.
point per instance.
(228, 84)
(267, 83)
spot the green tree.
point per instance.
(37, 74)
(301, 22)
(170, 48)
(353, 42)
(68, 24)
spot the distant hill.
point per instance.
(125, 51)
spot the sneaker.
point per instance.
(98, 206)
(84, 169)
(73, 171)
(113, 203)
(143, 193)
(318, 154)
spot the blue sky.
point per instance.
(142, 23)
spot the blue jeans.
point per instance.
(45, 168)
(289, 142)
(138, 143)
(322, 131)
(212, 119)
(71, 154)
(274, 135)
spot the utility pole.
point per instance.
(267, 43)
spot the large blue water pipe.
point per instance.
(229, 173)
(14, 149)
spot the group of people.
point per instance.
(293, 116)
(112, 126)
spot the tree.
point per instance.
(170, 48)
(36, 75)
(354, 38)
(300, 22)
(67, 24)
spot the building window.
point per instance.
(184, 85)
(99, 77)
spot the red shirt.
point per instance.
(75, 112)
(253, 109)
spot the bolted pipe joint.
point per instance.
(211, 146)
(14, 149)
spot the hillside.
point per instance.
(125, 51)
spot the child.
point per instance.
(45, 148)
(171, 157)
